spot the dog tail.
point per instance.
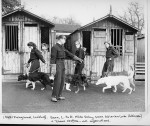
(131, 73)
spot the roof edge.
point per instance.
(108, 15)
(21, 9)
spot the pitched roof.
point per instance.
(105, 17)
(29, 13)
(66, 28)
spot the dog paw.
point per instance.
(42, 89)
(76, 92)
(114, 91)
(32, 88)
(68, 89)
(26, 86)
(103, 91)
(84, 88)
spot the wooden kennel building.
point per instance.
(93, 35)
(18, 28)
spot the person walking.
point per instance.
(35, 56)
(111, 53)
(58, 55)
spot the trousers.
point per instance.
(59, 79)
(79, 67)
(108, 66)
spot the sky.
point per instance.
(82, 11)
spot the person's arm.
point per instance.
(68, 54)
(39, 55)
(53, 60)
(28, 63)
(115, 52)
(29, 60)
(82, 53)
(73, 56)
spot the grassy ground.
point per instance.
(17, 99)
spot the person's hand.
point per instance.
(78, 59)
(27, 65)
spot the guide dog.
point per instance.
(80, 81)
(32, 78)
(124, 81)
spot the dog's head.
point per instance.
(68, 78)
(100, 81)
(84, 78)
(22, 77)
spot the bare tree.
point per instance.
(134, 15)
(9, 5)
(68, 20)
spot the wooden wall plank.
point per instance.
(11, 62)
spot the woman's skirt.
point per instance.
(35, 66)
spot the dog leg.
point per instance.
(115, 90)
(124, 89)
(68, 86)
(84, 88)
(106, 88)
(77, 90)
(44, 84)
(27, 83)
(130, 90)
(133, 85)
(33, 83)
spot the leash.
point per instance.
(35, 69)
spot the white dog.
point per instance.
(114, 81)
(124, 81)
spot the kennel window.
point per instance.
(11, 38)
(116, 39)
(45, 37)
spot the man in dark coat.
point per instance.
(111, 53)
(58, 55)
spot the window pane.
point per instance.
(11, 38)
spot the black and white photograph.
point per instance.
(75, 62)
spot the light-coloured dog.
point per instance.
(124, 81)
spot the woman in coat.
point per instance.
(35, 56)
